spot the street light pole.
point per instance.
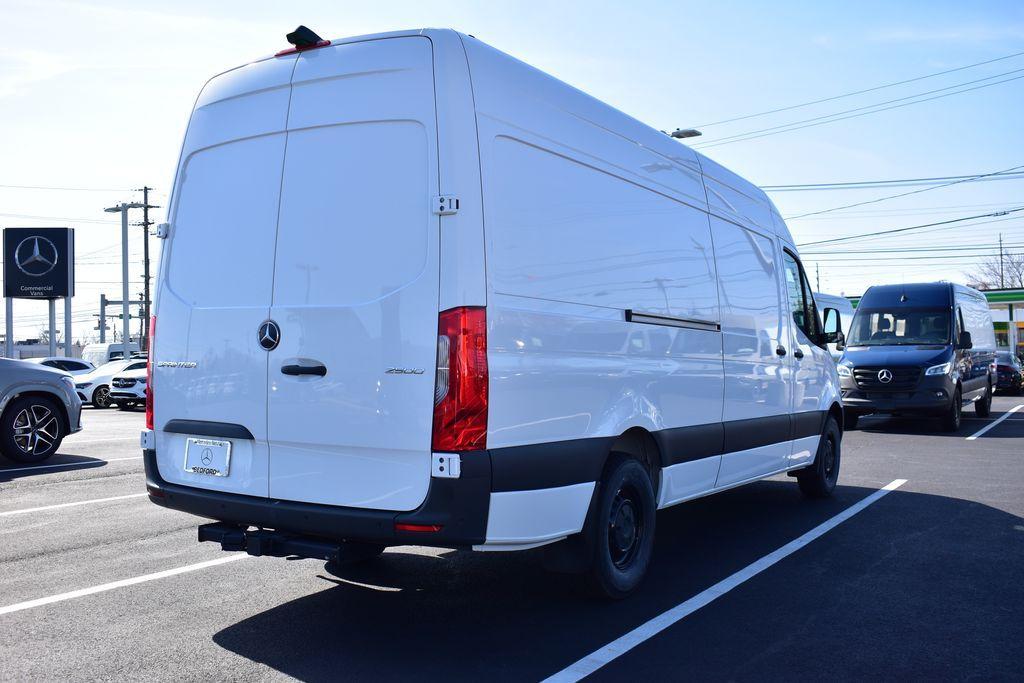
(122, 208)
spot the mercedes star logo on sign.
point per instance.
(38, 263)
(885, 376)
(269, 335)
(36, 256)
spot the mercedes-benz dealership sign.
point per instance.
(39, 263)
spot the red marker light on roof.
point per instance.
(303, 39)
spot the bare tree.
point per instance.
(999, 273)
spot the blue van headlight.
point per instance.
(943, 369)
(844, 370)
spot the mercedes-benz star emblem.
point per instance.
(269, 335)
(35, 256)
(207, 456)
(885, 376)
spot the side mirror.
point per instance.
(832, 329)
(965, 340)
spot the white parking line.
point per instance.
(68, 505)
(60, 597)
(987, 427)
(71, 441)
(83, 463)
(619, 647)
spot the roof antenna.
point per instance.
(680, 133)
(303, 38)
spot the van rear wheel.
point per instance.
(983, 406)
(621, 530)
(819, 480)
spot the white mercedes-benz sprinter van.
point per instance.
(414, 291)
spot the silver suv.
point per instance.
(38, 408)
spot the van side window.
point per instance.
(801, 303)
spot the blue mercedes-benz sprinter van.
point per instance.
(924, 349)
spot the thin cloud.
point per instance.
(948, 35)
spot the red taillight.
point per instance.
(149, 373)
(418, 528)
(460, 395)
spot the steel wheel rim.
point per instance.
(102, 397)
(625, 527)
(36, 430)
(829, 458)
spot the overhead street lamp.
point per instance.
(122, 208)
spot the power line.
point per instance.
(870, 184)
(859, 92)
(65, 189)
(821, 120)
(910, 250)
(904, 194)
(756, 133)
(912, 227)
(57, 218)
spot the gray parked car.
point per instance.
(38, 408)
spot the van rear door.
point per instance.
(216, 276)
(355, 289)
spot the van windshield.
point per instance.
(881, 327)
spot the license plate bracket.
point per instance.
(209, 457)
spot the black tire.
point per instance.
(31, 429)
(983, 406)
(850, 421)
(951, 418)
(101, 397)
(621, 529)
(819, 480)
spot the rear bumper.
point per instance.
(458, 506)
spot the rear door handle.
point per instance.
(798, 354)
(318, 370)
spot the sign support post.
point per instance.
(67, 326)
(9, 329)
(51, 304)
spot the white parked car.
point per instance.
(415, 291)
(128, 389)
(72, 366)
(94, 388)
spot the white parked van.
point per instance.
(99, 353)
(415, 291)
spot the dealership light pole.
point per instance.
(122, 208)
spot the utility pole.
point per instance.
(147, 301)
(122, 208)
(817, 276)
(1002, 282)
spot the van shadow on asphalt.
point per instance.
(917, 425)
(68, 463)
(469, 615)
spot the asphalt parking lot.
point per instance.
(923, 582)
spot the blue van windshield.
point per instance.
(902, 326)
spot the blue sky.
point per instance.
(97, 94)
